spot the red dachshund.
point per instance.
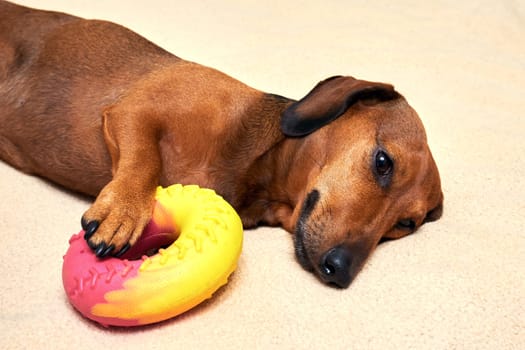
(100, 110)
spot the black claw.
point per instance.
(89, 228)
(88, 236)
(100, 250)
(84, 223)
(107, 251)
(123, 250)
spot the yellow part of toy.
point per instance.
(191, 269)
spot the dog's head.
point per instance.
(374, 176)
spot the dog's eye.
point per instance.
(384, 164)
(406, 224)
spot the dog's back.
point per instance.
(21, 35)
(68, 68)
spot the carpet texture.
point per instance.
(458, 283)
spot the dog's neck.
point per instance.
(277, 179)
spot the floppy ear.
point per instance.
(328, 100)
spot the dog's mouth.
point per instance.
(336, 267)
(301, 251)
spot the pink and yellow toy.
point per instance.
(205, 234)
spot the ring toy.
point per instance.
(204, 234)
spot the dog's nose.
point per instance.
(335, 266)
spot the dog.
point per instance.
(98, 109)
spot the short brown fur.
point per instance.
(100, 110)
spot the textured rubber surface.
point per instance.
(126, 292)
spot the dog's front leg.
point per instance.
(124, 206)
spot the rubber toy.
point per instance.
(204, 234)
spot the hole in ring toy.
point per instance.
(204, 234)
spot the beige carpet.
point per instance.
(457, 284)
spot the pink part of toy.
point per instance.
(87, 279)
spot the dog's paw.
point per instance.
(116, 220)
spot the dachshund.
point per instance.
(98, 109)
